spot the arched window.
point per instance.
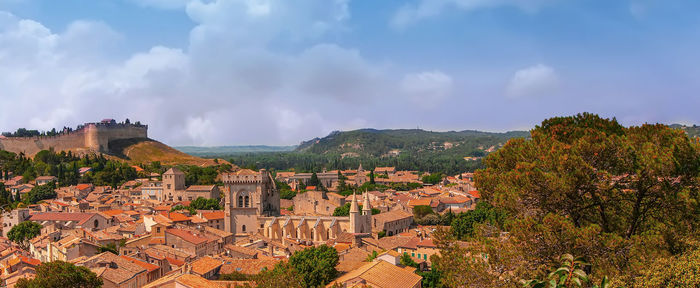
(97, 223)
(240, 201)
(247, 201)
(243, 228)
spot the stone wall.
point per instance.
(91, 137)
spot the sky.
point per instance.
(277, 72)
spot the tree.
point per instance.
(314, 180)
(315, 265)
(371, 177)
(110, 247)
(202, 203)
(433, 178)
(463, 225)
(59, 274)
(39, 193)
(283, 275)
(23, 232)
(570, 274)
(406, 260)
(677, 271)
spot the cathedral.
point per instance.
(252, 204)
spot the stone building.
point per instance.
(12, 218)
(249, 195)
(320, 228)
(317, 203)
(173, 184)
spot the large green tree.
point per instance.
(315, 265)
(59, 274)
(617, 195)
(23, 232)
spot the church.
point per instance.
(252, 204)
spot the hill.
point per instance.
(145, 150)
(692, 131)
(392, 142)
(229, 150)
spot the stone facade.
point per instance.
(317, 203)
(249, 195)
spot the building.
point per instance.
(173, 184)
(116, 271)
(380, 274)
(392, 222)
(43, 180)
(317, 203)
(12, 218)
(250, 195)
(205, 191)
(319, 228)
(90, 221)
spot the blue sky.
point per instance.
(229, 72)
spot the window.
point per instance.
(243, 228)
(247, 201)
(425, 256)
(412, 254)
(240, 201)
(97, 223)
(157, 229)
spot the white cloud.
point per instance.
(422, 9)
(533, 81)
(228, 86)
(427, 89)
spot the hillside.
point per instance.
(692, 131)
(388, 143)
(144, 150)
(229, 150)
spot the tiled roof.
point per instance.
(125, 270)
(80, 218)
(216, 215)
(475, 194)
(178, 217)
(247, 266)
(187, 236)
(148, 266)
(205, 264)
(392, 216)
(201, 188)
(173, 171)
(175, 262)
(382, 274)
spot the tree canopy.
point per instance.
(315, 265)
(23, 232)
(59, 274)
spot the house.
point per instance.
(116, 271)
(205, 191)
(180, 280)
(43, 180)
(12, 218)
(153, 272)
(380, 274)
(206, 267)
(214, 219)
(421, 248)
(247, 266)
(92, 221)
(392, 222)
(187, 241)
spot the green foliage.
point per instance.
(315, 265)
(283, 275)
(285, 190)
(464, 224)
(419, 211)
(202, 203)
(371, 256)
(197, 175)
(234, 276)
(345, 210)
(431, 279)
(183, 207)
(433, 178)
(59, 274)
(381, 234)
(621, 196)
(39, 193)
(406, 260)
(110, 247)
(678, 271)
(23, 232)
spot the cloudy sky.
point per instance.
(234, 72)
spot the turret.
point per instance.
(366, 207)
(355, 223)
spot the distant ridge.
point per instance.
(228, 150)
(388, 142)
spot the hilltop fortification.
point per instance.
(87, 138)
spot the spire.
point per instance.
(353, 204)
(366, 205)
(359, 168)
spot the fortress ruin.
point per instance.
(87, 138)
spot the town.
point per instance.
(152, 229)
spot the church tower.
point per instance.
(367, 214)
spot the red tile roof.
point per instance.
(216, 215)
(178, 217)
(80, 218)
(148, 266)
(187, 236)
(475, 194)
